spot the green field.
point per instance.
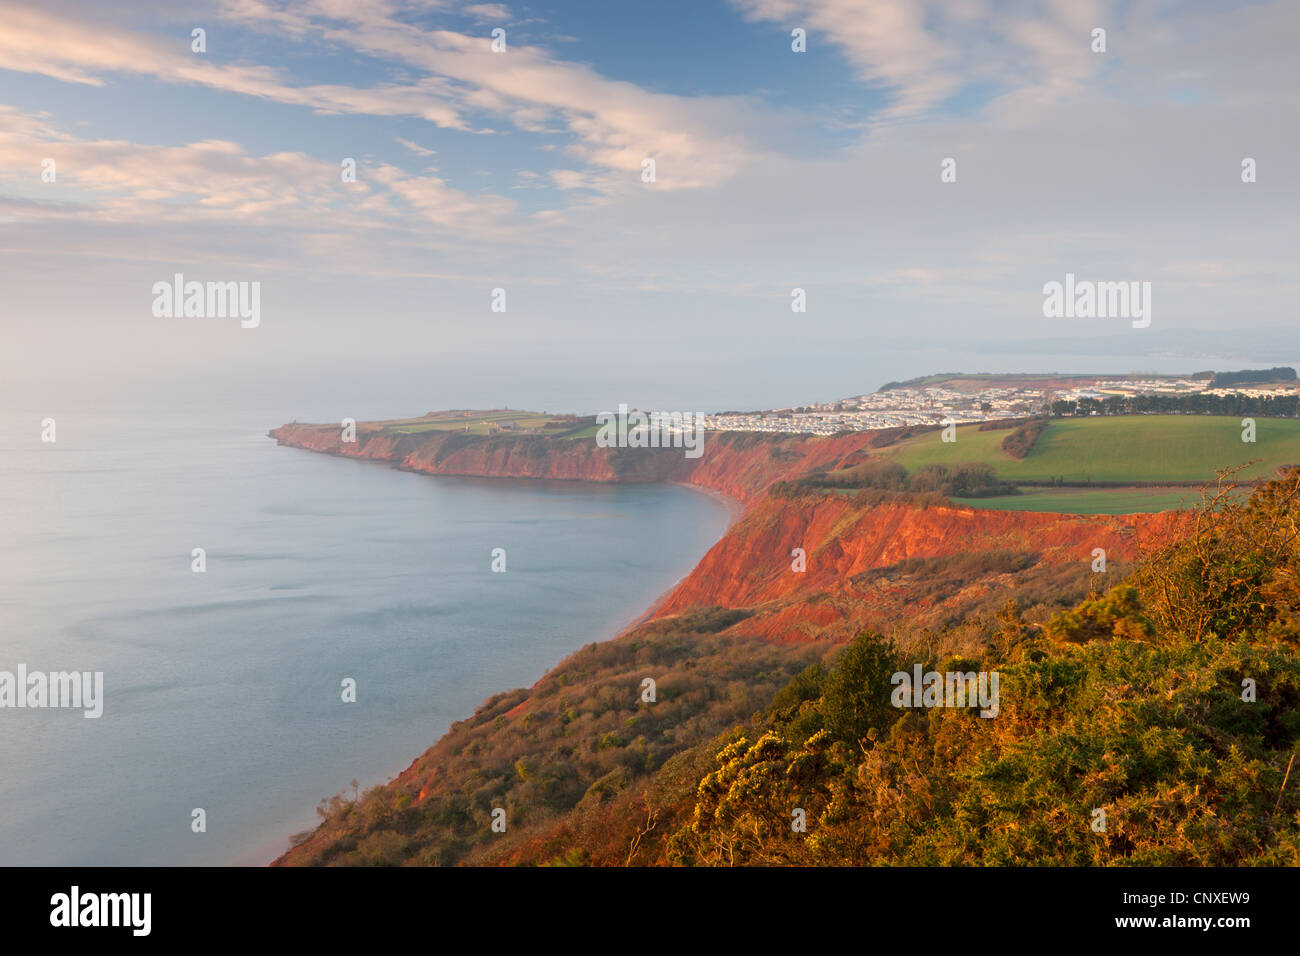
(1090, 501)
(1121, 448)
(479, 422)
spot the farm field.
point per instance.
(589, 431)
(1131, 448)
(479, 422)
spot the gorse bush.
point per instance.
(1233, 570)
(1156, 737)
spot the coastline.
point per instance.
(735, 507)
(735, 511)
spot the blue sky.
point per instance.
(522, 170)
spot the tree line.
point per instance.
(1262, 406)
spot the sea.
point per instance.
(224, 689)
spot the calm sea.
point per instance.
(223, 689)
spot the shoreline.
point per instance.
(735, 511)
(735, 507)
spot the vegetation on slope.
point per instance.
(972, 480)
(583, 735)
(1021, 441)
(582, 765)
(1089, 501)
(1171, 705)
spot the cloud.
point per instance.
(432, 200)
(611, 124)
(116, 181)
(924, 53)
(38, 40)
(698, 141)
(416, 147)
(488, 11)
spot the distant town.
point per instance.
(980, 398)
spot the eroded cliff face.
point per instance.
(454, 453)
(753, 562)
(754, 565)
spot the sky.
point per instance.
(522, 168)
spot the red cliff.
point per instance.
(751, 567)
(740, 465)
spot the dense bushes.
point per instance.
(1021, 441)
(581, 736)
(1198, 403)
(1155, 737)
(971, 480)
(1235, 570)
(1283, 373)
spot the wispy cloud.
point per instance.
(488, 11)
(925, 52)
(115, 181)
(416, 147)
